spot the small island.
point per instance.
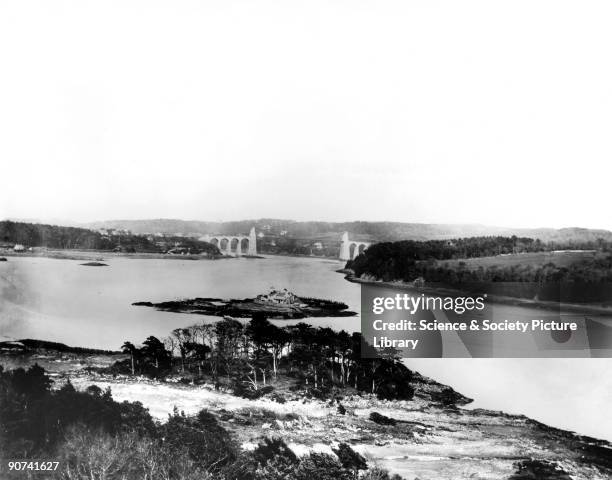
(278, 304)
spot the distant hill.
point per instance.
(378, 231)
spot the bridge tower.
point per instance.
(345, 247)
(252, 242)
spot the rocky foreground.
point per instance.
(418, 439)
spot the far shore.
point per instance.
(98, 255)
(300, 255)
(101, 255)
(500, 299)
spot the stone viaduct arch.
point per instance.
(235, 245)
(349, 249)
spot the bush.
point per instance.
(320, 393)
(278, 397)
(395, 384)
(447, 397)
(378, 473)
(273, 447)
(241, 390)
(381, 419)
(34, 418)
(205, 442)
(277, 468)
(99, 455)
(321, 466)
(539, 470)
(349, 458)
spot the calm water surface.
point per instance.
(63, 301)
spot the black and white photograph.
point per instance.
(305, 240)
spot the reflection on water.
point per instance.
(63, 301)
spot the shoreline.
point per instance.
(500, 299)
(298, 255)
(98, 255)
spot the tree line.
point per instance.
(250, 358)
(411, 260)
(54, 236)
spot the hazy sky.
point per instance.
(483, 112)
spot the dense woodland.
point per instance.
(52, 236)
(96, 438)
(254, 359)
(411, 260)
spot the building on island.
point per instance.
(279, 297)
